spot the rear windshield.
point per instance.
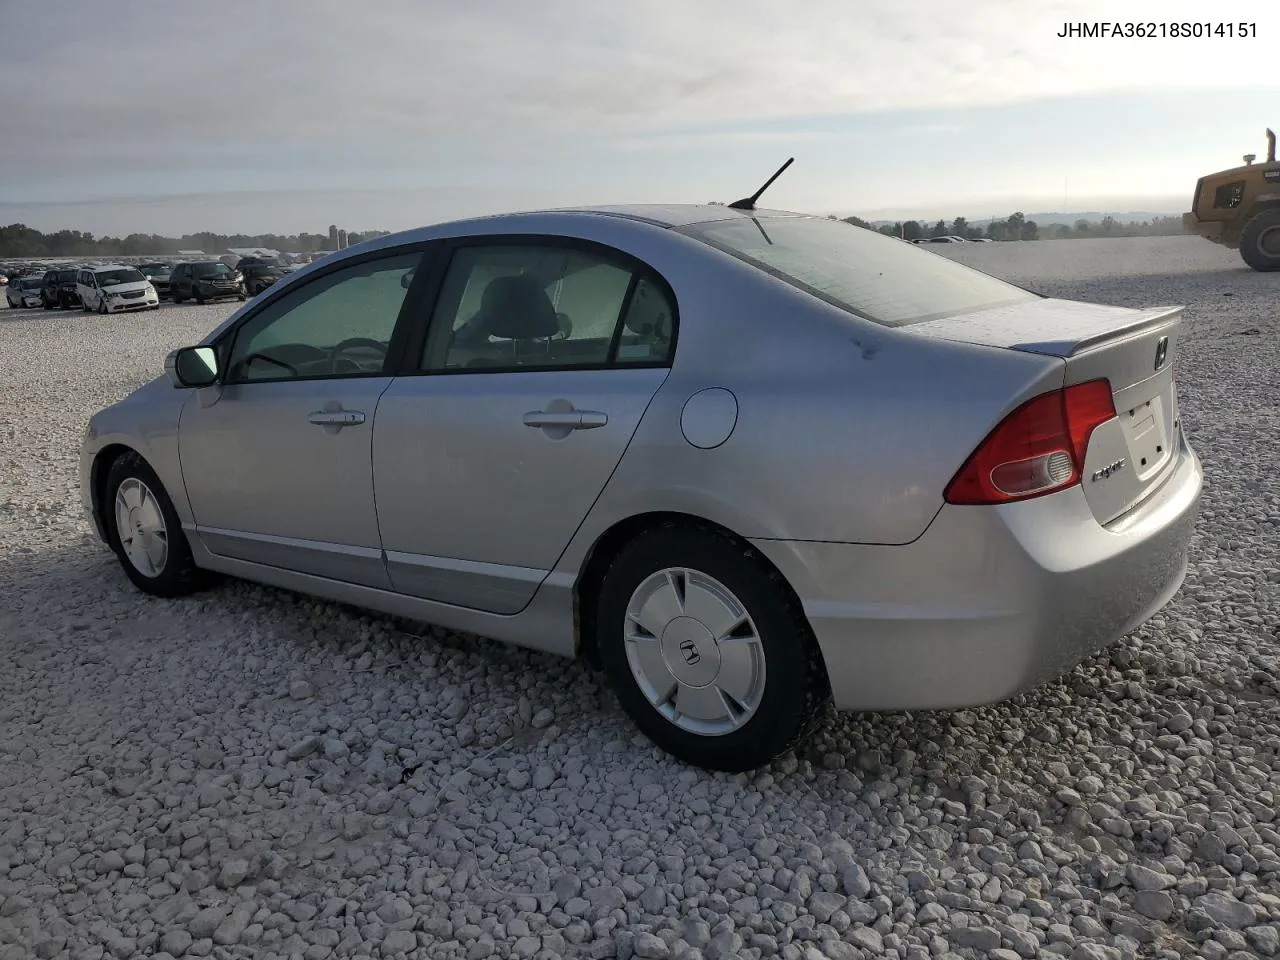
(873, 276)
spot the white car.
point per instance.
(115, 288)
(23, 292)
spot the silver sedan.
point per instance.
(748, 463)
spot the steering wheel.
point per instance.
(335, 355)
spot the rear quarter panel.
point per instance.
(846, 431)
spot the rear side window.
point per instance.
(528, 306)
(870, 275)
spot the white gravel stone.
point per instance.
(255, 773)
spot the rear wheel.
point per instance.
(145, 531)
(707, 649)
(1260, 241)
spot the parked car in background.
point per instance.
(920, 488)
(114, 288)
(259, 273)
(158, 274)
(23, 292)
(205, 280)
(59, 289)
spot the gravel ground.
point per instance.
(253, 773)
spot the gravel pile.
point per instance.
(255, 774)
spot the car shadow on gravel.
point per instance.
(1090, 719)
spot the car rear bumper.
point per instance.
(989, 601)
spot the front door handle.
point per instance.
(566, 420)
(336, 418)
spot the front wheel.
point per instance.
(1260, 241)
(102, 306)
(708, 650)
(146, 533)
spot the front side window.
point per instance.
(863, 272)
(527, 306)
(337, 325)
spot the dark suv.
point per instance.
(205, 280)
(260, 273)
(158, 274)
(58, 289)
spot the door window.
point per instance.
(337, 325)
(525, 306)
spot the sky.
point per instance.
(288, 115)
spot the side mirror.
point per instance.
(406, 279)
(192, 367)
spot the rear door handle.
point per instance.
(336, 418)
(569, 419)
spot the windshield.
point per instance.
(65, 276)
(111, 278)
(212, 270)
(873, 276)
(152, 269)
(29, 283)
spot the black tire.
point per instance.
(177, 299)
(102, 306)
(796, 691)
(1263, 228)
(179, 576)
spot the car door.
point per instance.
(276, 457)
(90, 295)
(488, 453)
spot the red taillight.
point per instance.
(1039, 448)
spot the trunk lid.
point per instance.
(1129, 456)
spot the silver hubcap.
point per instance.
(695, 652)
(140, 524)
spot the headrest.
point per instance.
(517, 308)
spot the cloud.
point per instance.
(428, 79)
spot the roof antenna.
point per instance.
(749, 203)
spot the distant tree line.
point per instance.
(1017, 227)
(19, 240)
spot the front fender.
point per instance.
(145, 422)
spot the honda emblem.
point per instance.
(1162, 351)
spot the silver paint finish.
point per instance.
(694, 651)
(446, 505)
(989, 602)
(455, 455)
(268, 484)
(708, 417)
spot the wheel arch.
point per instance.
(611, 542)
(103, 461)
